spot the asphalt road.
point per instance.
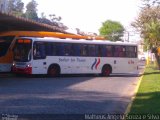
(66, 95)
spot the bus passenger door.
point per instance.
(39, 64)
(39, 67)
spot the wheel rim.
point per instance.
(53, 72)
(107, 72)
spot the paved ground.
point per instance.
(66, 95)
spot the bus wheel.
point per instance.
(106, 71)
(53, 71)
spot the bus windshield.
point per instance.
(22, 51)
(5, 42)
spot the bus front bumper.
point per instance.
(26, 70)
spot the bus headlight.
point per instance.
(28, 65)
(13, 64)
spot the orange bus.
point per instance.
(7, 41)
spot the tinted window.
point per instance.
(91, 50)
(109, 51)
(67, 49)
(59, 49)
(84, 50)
(51, 49)
(100, 51)
(48, 49)
(131, 51)
(76, 50)
(119, 51)
(105, 51)
(39, 50)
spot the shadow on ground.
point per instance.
(146, 103)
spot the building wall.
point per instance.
(4, 5)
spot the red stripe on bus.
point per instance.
(98, 62)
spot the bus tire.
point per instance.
(106, 70)
(54, 71)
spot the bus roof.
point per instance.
(48, 34)
(79, 41)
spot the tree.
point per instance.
(148, 23)
(54, 18)
(31, 13)
(150, 3)
(112, 30)
(43, 15)
(15, 7)
(54, 21)
(31, 10)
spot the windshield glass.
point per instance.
(22, 51)
(5, 42)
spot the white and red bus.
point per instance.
(55, 56)
(7, 41)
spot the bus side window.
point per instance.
(49, 49)
(53, 49)
(127, 51)
(99, 51)
(104, 51)
(39, 51)
(131, 51)
(67, 49)
(109, 51)
(59, 49)
(92, 50)
(119, 51)
(84, 50)
(75, 50)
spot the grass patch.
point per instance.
(147, 99)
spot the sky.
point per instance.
(88, 15)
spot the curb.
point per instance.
(135, 93)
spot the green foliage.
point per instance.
(31, 10)
(146, 45)
(152, 33)
(16, 7)
(148, 23)
(112, 30)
